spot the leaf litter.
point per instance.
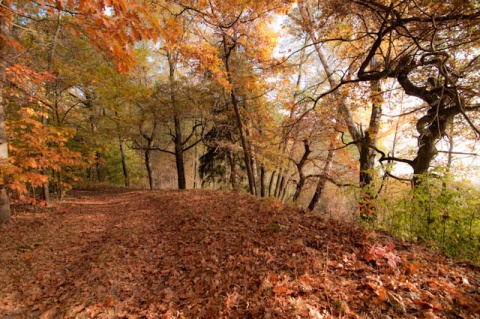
(116, 253)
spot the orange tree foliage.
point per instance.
(110, 25)
(35, 147)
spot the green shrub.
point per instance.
(440, 212)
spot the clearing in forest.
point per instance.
(113, 253)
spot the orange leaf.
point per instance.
(109, 302)
(282, 289)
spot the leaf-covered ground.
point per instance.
(112, 253)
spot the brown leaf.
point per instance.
(396, 302)
(109, 301)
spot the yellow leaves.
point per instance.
(207, 60)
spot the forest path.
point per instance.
(117, 253)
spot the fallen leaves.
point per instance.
(377, 253)
(209, 254)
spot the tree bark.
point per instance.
(4, 200)
(126, 174)
(254, 168)
(369, 139)
(277, 183)
(228, 48)
(178, 139)
(300, 165)
(323, 180)
(368, 144)
(444, 104)
(51, 96)
(195, 167)
(45, 186)
(233, 171)
(270, 184)
(262, 181)
(281, 187)
(182, 184)
(148, 165)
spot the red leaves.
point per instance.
(380, 253)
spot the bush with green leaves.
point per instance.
(439, 211)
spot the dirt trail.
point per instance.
(112, 253)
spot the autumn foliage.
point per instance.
(363, 111)
(35, 149)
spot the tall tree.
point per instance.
(365, 140)
(237, 28)
(428, 48)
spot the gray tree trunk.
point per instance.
(323, 180)
(4, 200)
(238, 118)
(126, 174)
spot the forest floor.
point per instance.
(116, 253)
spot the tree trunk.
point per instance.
(369, 140)
(178, 139)
(281, 187)
(323, 180)
(182, 184)
(238, 118)
(4, 200)
(299, 187)
(444, 104)
(98, 167)
(45, 186)
(301, 175)
(451, 147)
(246, 151)
(427, 141)
(233, 171)
(148, 165)
(51, 96)
(367, 152)
(364, 140)
(124, 162)
(284, 192)
(195, 167)
(270, 184)
(254, 168)
(4, 205)
(262, 181)
(59, 186)
(277, 183)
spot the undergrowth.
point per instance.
(442, 213)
